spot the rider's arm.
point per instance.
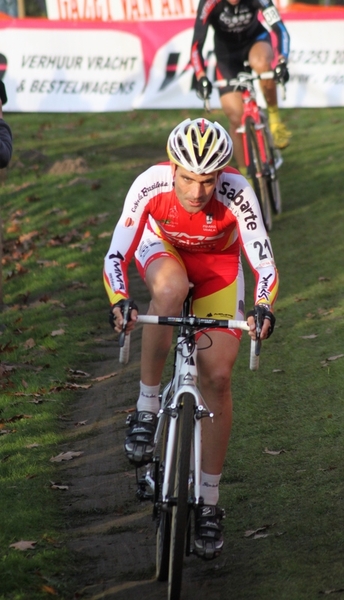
(256, 246)
(143, 200)
(199, 36)
(274, 21)
(125, 239)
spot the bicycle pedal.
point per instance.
(141, 493)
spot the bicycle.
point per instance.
(171, 481)
(262, 159)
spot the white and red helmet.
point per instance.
(200, 146)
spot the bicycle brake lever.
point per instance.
(125, 323)
(259, 323)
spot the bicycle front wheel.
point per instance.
(163, 530)
(180, 494)
(256, 171)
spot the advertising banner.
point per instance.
(61, 66)
(126, 10)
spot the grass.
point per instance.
(57, 227)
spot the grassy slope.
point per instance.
(298, 408)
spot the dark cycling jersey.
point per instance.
(234, 27)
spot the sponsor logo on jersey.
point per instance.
(117, 282)
(238, 204)
(207, 8)
(129, 222)
(237, 22)
(145, 191)
(263, 293)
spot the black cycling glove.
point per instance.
(204, 88)
(261, 312)
(281, 72)
(126, 307)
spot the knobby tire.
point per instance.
(163, 531)
(256, 171)
(272, 175)
(180, 493)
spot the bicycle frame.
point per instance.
(244, 82)
(261, 157)
(184, 382)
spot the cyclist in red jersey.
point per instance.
(240, 36)
(188, 220)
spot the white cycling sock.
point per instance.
(148, 398)
(210, 488)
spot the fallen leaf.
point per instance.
(48, 263)
(15, 418)
(57, 332)
(80, 423)
(30, 343)
(324, 279)
(335, 357)
(277, 370)
(34, 445)
(57, 486)
(309, 337)
(65, 456)
(23, 545)
(72, 265)
(49, 590)
(257, 533)
(103, 377)
(70, 386)
(335, 591)
(78, 373)
(273, 452)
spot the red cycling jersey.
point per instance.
(230, 221)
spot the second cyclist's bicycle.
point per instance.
(262, 158)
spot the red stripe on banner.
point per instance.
(153, 34)
(308, 12)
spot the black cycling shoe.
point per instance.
(208, 531)
(139, 442)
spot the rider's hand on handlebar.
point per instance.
(123, 313)
(260, 318)
(281, 71)
(204, 88)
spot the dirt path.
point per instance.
(111, 533)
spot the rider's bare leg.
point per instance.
(233, 108)
(215, 369)
(260, 58)
(168, 285)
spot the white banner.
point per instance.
(73, 71)
(64, 67)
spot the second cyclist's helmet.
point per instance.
(200, 146)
